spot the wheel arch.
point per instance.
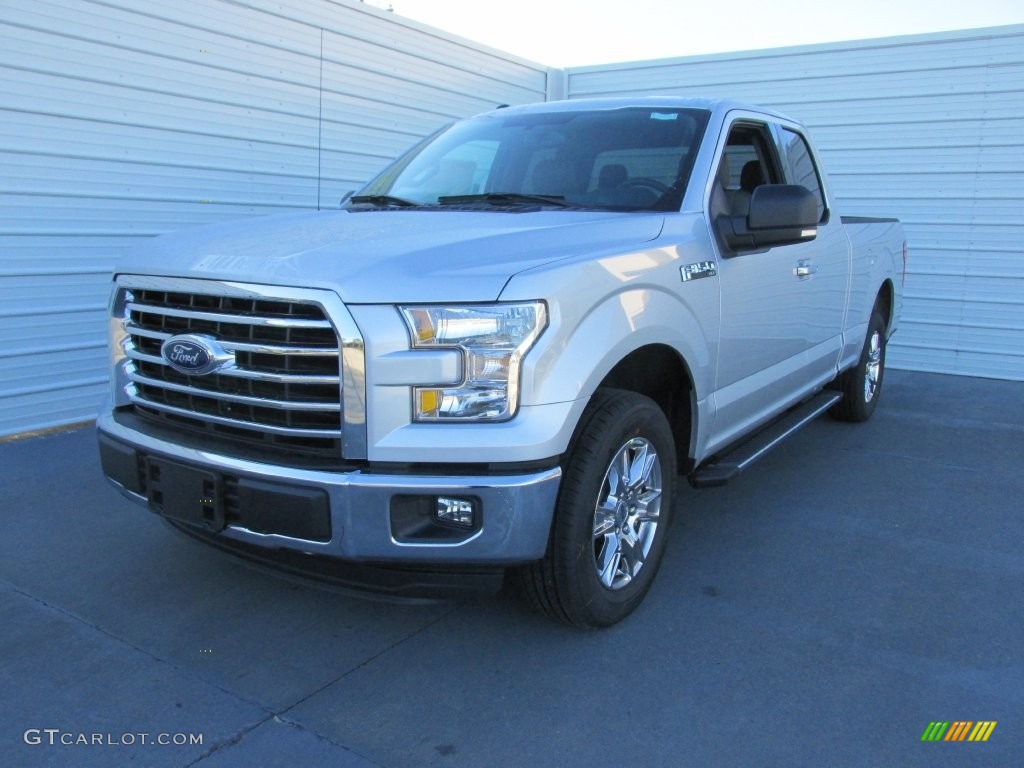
(885, 302)
(659, 372)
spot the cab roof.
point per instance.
(648, 102)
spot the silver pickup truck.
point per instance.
(500, 354)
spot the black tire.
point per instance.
(629, 431)
(862, 385)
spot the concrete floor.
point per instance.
(857, 584)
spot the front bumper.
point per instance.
(340, 514)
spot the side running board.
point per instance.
(726, 467)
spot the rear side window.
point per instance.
(800, 167)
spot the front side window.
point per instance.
(746, 164)
(617, 159)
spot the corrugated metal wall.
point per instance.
(927, 128)
(123, 119)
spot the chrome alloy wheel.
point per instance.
(627, 513)
(873, 367)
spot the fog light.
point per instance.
(455, 511)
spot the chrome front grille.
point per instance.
(281, 389)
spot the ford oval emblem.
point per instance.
(193, 354)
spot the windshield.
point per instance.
(620, 159)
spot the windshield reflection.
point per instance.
(630, 159)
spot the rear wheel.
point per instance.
(862, 385)
(611, 519)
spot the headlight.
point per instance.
(493, 339)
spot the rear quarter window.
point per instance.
(800, 167)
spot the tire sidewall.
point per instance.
(862, 409)
(593, 452)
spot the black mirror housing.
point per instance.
(780, 214)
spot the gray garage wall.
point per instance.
(123, 119)
(927, 128)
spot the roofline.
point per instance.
(713, 105)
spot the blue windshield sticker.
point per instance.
(664, 115)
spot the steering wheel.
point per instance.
(647, 182)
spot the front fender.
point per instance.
(581, 351)
(603, 307)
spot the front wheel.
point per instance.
(611, 519)
(862, 385)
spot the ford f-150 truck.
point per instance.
(501, 353)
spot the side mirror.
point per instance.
(780, 214)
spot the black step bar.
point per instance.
(726, 467)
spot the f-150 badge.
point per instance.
(697, 271)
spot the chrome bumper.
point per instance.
(515, 510)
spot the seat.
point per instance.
(612, 176)
(751, 177)
(551, 177)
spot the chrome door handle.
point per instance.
(805, 269)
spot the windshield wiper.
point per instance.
(382, 200)
(505, 198)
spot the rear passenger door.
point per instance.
(825, 261)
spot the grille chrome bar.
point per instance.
(284, 405)
(238, 346)
(327, 433)
(241, 373)
(217, 317)
(284, 386)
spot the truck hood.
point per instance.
(390, 256)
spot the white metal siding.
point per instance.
(927, 128)
(123, 119)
